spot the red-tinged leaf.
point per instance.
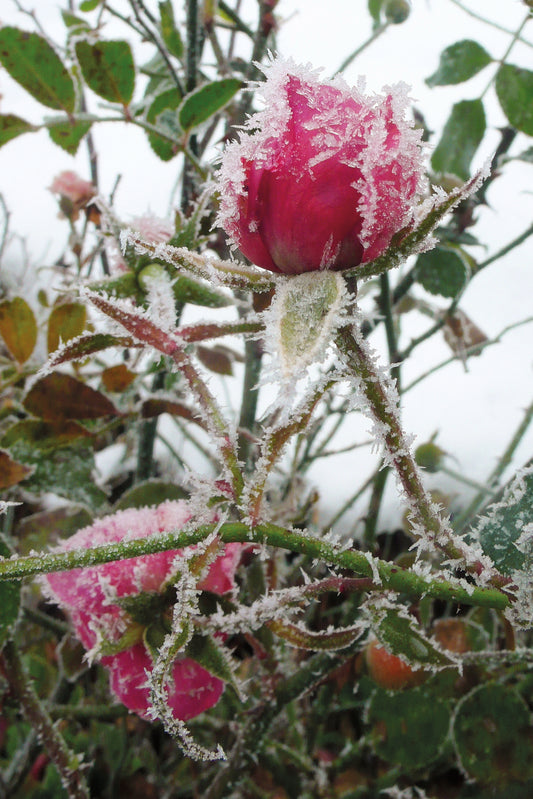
(11, 472)
(18, 328)
(306, 639)
(155, 407)
(87, 345)
(59, 397)
(216, 359)
(44, 435)
(137, 323)
(203, 331)
(66, 322)
(117, 378)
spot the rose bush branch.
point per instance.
(145, 330)
(68, 764)
(430, 527)
(388, 576)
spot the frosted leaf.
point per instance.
(401, 634)
(302, 318)
(215, 271)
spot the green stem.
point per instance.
(377, 33)
(147, 434)
(488, 21)
(372, 515)
(308, 676)
(512, 43)
(387, 575)
(66, 762)
(432, 528)
(507, 248)
(250, 395)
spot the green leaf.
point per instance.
(374, 9)
(163, 114)
(149, 493)
(89, 344)
(68, 135)
(459, 62)
(402, 637)
(45, 436)
(9, 601)
(58, 397)
(33, 532)
(201, 104)
(492, 735)
(12, 126)
(31, 61)
(499, 531)
(89, 5)
(460, 139)
(514, 87)
(329, 640)
(18, 328)
(169, 31)
(205, 650)
(64, 470)
(74, 23)
(108, 69)
(186, 289)
(410, 727)
(442, 271)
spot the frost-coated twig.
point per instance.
(388, 575)
(145, 330)
(431, 529)
(309, 675)
(66, 762)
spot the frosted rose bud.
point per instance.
(75, 193)
(88, 594)
(323, 177)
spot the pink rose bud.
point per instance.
(74, 192)
(323, 177)
(89, 595)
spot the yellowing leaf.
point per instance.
(18, 328)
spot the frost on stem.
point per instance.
(376, 395)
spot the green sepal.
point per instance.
(215, 658)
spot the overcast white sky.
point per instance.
(477, 411)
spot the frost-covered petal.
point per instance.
(323, 177)
(90, 597)
(191, 691)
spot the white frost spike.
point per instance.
(302, 318)
(158, 285)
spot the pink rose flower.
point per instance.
(75, 193)
(88, 594)
(323, 177)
